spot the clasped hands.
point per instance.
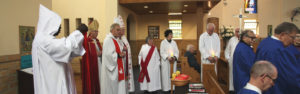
(212, 59)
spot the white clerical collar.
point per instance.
(252, 87)
(274, 37)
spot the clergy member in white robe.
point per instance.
(52, 71)
(149, 61)
(229, 55)
(169, 52)
(209, 46)
(128, 59)
(112, 71)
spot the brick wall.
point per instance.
(9, 65)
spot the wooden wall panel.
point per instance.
(137, 44)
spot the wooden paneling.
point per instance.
(9, 58)
(137, 44)
(9, 64)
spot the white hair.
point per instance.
(189, 46)
(210, 24)
(262, 67)
(113, 26)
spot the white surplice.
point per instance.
(130, 68)
(166, 48)
(209, 45)
(52, 71)
(229, 56)
(109, 71)
(153, 69)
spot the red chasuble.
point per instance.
(90, 73)
(119, 61)
(144, 65)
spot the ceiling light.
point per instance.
(146, 6)
(175, 13)
(185, 5)
(184, 11)
(151, 11)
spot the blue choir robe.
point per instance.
(288, 81)
(243, 59)
(247, 91)
(294, 51)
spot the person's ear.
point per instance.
(262, 77)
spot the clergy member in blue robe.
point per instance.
(274, 49)
(243, 59)
(262, 77)
(293, 50)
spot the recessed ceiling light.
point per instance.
(186, 5)
(175, 13)
(151, 11)
(146, 6)
(184, 11)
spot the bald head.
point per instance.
(210, 28)
(263, 67)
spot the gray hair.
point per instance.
(189, 46)
(245, 33)
(286, 27)
(262, 67)
(237, 30)
(148, 38)
(210, 24)
(113, 26)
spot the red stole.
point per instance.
(144, 65)
(119, 61)
(85, 68)
(126, 64)
(89, 65)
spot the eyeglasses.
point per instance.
(274, 80)
(252, 38)
(293, 37)
(118, 29)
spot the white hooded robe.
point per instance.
(50, 56)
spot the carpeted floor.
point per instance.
(136, 72)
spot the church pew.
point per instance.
(212, 86)
(186, 69)
(223, 74)
(209, 80)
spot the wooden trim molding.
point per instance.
(9, 58)
(155, 1)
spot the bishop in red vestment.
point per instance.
(91, 61)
